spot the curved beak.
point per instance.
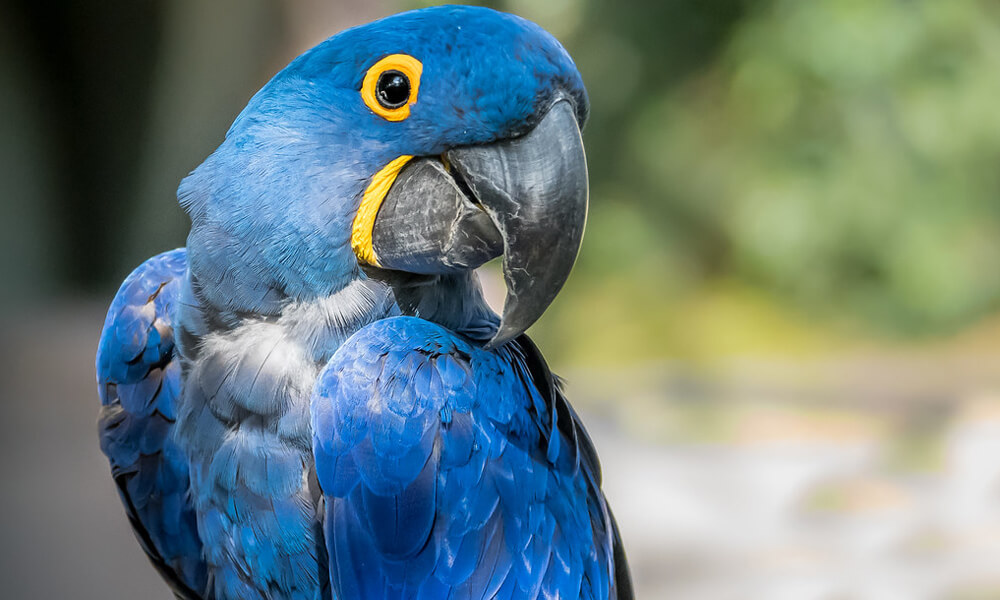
(524, 198)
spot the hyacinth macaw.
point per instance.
(312, 399)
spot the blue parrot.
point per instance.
(312, 399)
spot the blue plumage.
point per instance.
(139, 383)
(287, 421)
(307, 138)
(453, 497)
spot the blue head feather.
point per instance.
(272, 208)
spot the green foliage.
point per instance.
(839, 157)
(847, 153)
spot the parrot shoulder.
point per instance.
(138, 377)
(450, 470)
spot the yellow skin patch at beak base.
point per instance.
(371, 201)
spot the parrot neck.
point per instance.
(260, 271)
(271, 214)
(453, 301)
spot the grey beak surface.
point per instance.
(535, 189)
(428, 225)
(525, 197)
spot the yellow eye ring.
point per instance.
(387, 77)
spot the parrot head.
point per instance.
(428, 143)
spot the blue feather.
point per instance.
(495, 518)
(139, 395)
(445, 471)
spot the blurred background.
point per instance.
(783, 329)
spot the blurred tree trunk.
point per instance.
(78, 76)
(25, 177)
(212, 60)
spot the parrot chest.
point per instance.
(245, 425)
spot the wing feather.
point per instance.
(453, 472)
(138, 381)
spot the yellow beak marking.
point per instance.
(371, 201)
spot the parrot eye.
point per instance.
(392, 89)
(391, 85)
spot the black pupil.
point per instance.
(393, 89)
